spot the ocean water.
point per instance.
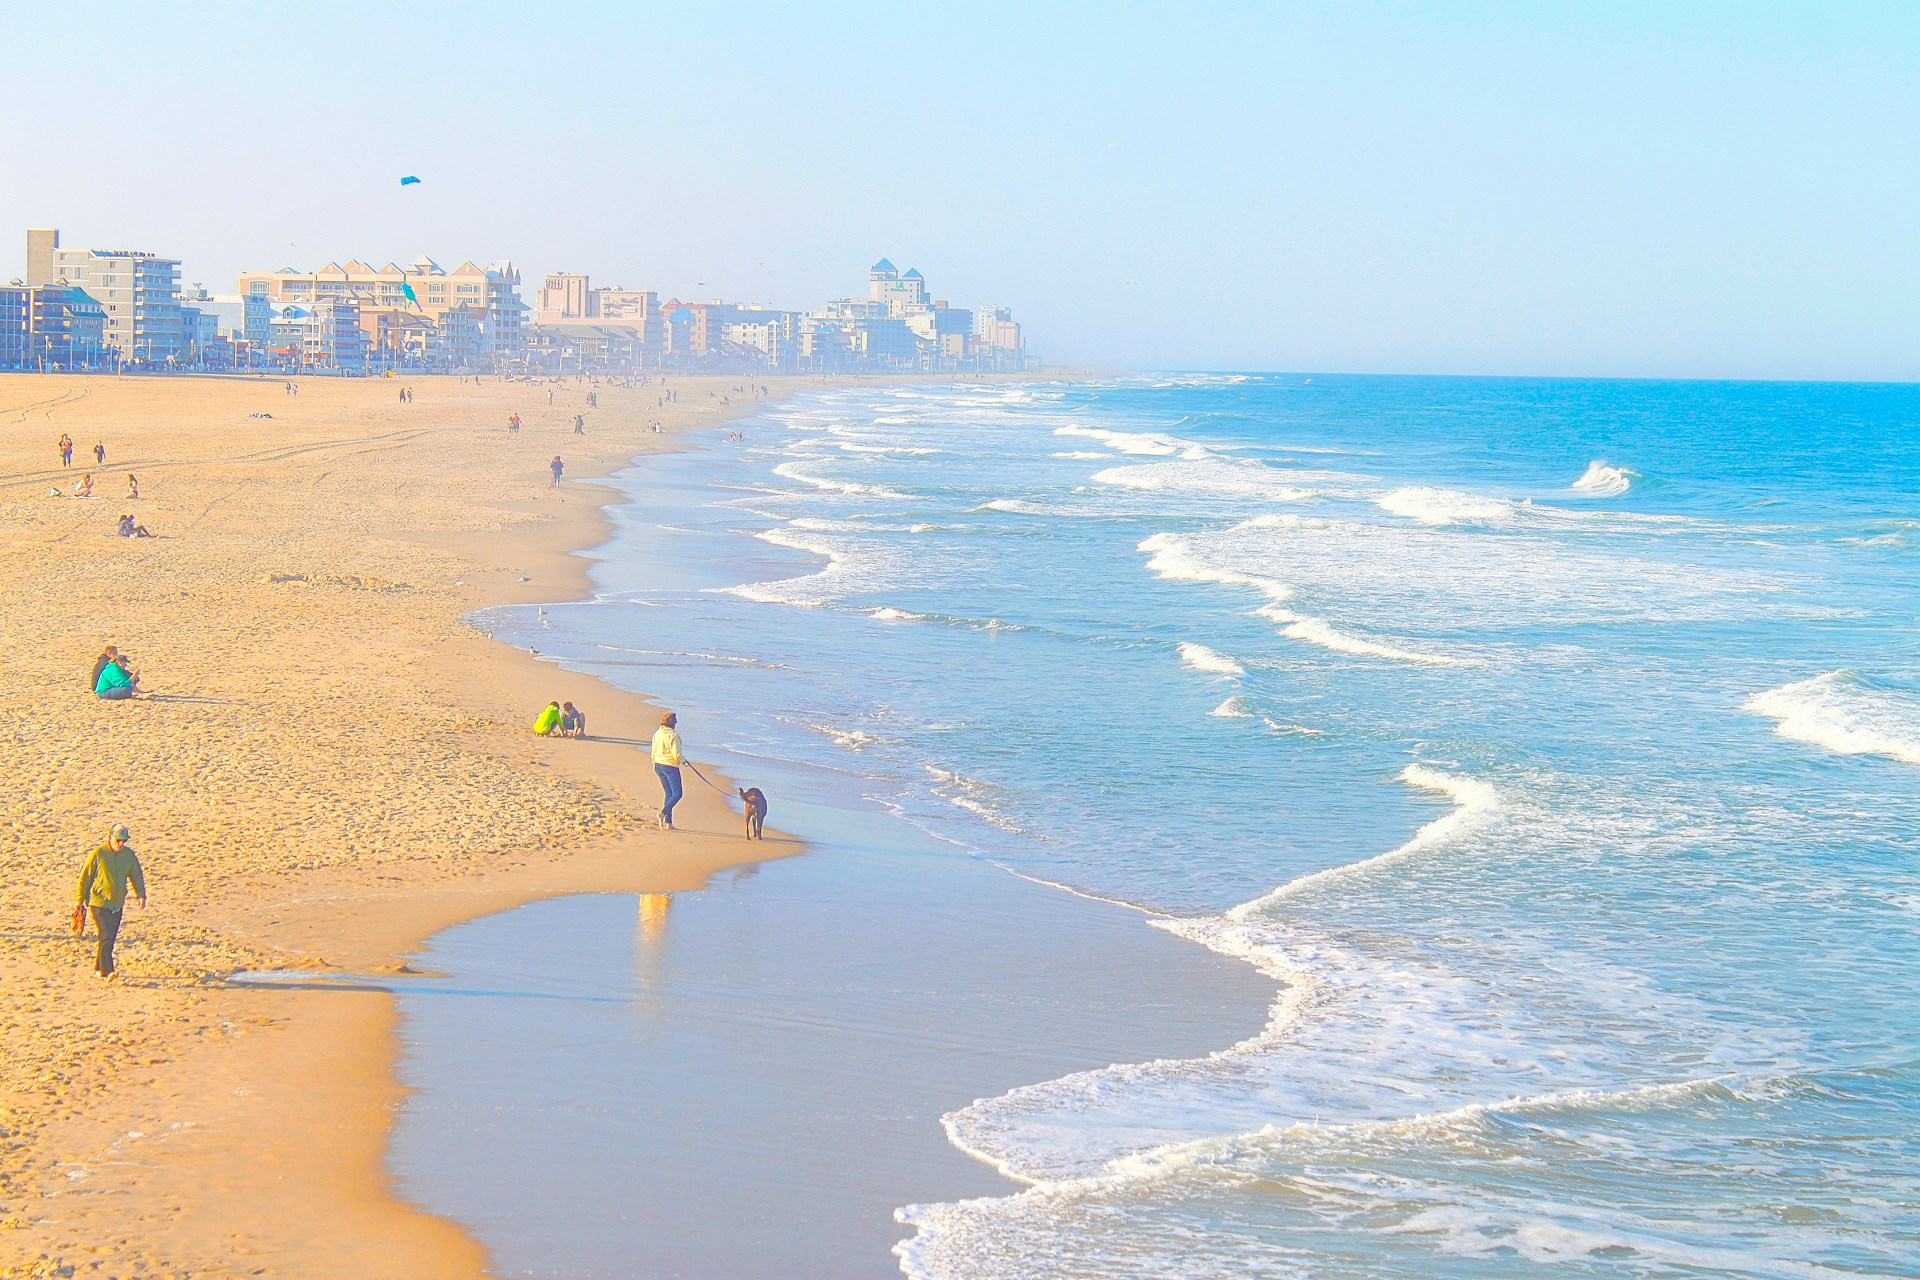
(1552, 746)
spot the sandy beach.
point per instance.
(332, 768)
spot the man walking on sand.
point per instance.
(104, 879)
(66, 449)
(666, 763)
(557, 467)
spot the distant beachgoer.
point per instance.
(116, 682)
(85, 488)
(128, 529)
(549, 395)
(109, 871)
(133, 486)
(513, 423)
(556, 466)
(66, 449)
(107, 655)
(579, 424)
(99, 455)
(666, 763)
(548, 721)
(573, 721)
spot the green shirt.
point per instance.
(106, 875)
(112, 676)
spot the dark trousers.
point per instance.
(107, 921)
(670, 784)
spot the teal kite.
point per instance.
(409, 181)
(407, 289)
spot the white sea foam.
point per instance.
(851, 739)
(849, 446)
(1474, 802)
(1140, 443)
(1080, 455)
(1445, 506)
(1844, 714)
(1219, 478)
(1602, 481)
(1171, 556)
(889, 614)
(1238, 707)
(1319, 631)
(789, 471)
(1211, 661)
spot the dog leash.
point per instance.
(703, 777)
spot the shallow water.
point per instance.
(1554, 745)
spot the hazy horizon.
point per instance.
(1581, 190)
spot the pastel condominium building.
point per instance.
(419, 315)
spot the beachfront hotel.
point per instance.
(475, 312)
(138, 294)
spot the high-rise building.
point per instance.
(138, 292)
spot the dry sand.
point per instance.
(336, 767)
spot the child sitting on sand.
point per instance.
(128, 529)
(548, 721)
(573, 721)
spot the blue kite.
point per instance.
(409, 181)
(407, 290)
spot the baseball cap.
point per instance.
(120, 832)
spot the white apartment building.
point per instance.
(138, 292)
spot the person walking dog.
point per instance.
(108, 873)
(666, 763)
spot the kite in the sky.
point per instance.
(411, 296)
(409, 181)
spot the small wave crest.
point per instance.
(1173, 557)
(1238, 707)
(1445, 506)
(1211, 661)
(1602, 481)
(1140, 443)
(1846, 715)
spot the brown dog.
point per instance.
(756, 802)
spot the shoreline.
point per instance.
(161, 1174)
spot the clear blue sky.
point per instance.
(1609, 188)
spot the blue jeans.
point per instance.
(670, 784)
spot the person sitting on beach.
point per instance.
(128, 529)
(109, 871)
(107, 655)
(573, 721)
(85, 488)
(133, 486)
(548, 721)
(116, 682)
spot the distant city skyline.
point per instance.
(1578, 189)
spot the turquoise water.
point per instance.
(1554, 746)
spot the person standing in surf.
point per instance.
(666, 763)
